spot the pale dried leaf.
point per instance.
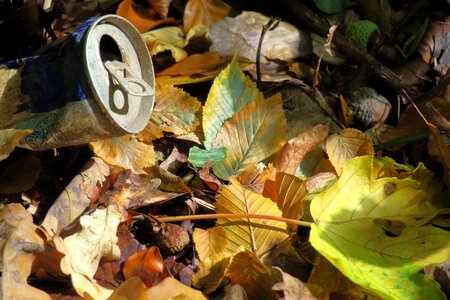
(204, 12)
(292, 288)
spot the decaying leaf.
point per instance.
(292, 288)
(292, 153)
(254, 235)
(204, 12)
(348, 231)
(434, 48)
(20, 175)
(74, 200)
(252, 274)
(325, 275)
(209, 243)
(230, 92)
(346, 145)
(126, 152)
(251, 135)
(240, 35)
(147, 264)
(9, 139)
(18, 241)
(174, 111)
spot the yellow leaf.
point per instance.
(252, 274)
(125, 152)
(288, 193)
(209, 243)
(230, 92)
(346, 145)
(169, 288)
(9, 139)
(204, 12)
(170, 38)
(294, 150)
(175, 111)
(210, 273)
(254, 235)
(251, 135)
(18, 239)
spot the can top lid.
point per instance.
(120, 72)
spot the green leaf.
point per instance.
(199, 157)
(251, 135)
(331, 6)
(230, 92)
(349, 231)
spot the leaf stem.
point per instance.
(233, 216)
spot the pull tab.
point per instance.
(127, 80)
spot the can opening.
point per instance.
(109, 50)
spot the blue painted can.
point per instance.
(96, 83)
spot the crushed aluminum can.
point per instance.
(96, 83)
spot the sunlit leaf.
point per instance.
(210, 273)
(199, 157)
(288, 192)
(252, 274)
(18, 239)
(204, 64)
(20, 175)
(230, 92)
(251, 135)
(204, 12)
(174, 111)
(352, 230)
(147, 264)
(170, 38)
(209, 243)
(9, 139)
(295, 149)
(125, 152)
(254, 235)
(346, 145)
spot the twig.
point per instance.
(271, 25)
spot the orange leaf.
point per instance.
(292, 153)
(143, 17)
(205, 64)
(346, 145)
(204, 12)
(147, 264)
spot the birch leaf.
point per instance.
(351, 231)
(251, 135)
(209, 243)
(254, 235)
(126, 152)
(230, 92)
(175, 111)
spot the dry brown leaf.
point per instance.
(74, 199)
(325, 275)
(346, 145)
(18, 244)
(434, 47)
(204, 64)
(143, 17)
(209, 243)
(20, 175)
(161, 7)
(288, 192)
(204, 12)
(318, 181)
(292, 288)
(292, 153)
(126, 152)
(210, 273)
(147, 264)
(252, 274)
(255, 176)
(9, 139)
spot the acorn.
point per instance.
(172, 238)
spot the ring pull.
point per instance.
(127, 80)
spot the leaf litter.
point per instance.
(242, 188)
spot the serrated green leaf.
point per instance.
(251, 135)
(230, 92)
(348, 231)
(199, 157)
